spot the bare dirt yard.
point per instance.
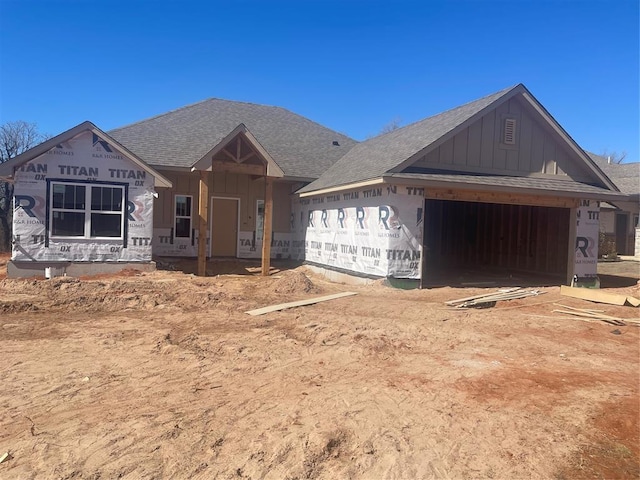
(163, 376)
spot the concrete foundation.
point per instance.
(72, 269)
(340, 277)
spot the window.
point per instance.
(86, 211)
(183, 216)
(259, 219)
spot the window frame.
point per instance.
(87, 210)
(259, 219)
(176, 216)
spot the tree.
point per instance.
(394, 124)
(15, 138)
(614, 157)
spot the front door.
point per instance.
(224, 227)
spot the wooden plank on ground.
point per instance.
(597, 296)
(299, 303)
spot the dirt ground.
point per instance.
(163, 375)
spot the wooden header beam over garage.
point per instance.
(498, 197)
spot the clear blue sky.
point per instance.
(351, 65)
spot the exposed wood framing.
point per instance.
(495, 197)
(229, 154)
(512, 237)
(267, 227)
(246, 168)
(203, 224)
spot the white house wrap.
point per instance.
(82, 201)
(373, 231)
(587, 234)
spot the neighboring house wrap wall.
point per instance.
(82, 201)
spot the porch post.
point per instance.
(267, 227)
(203, 224)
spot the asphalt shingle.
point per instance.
(376, 156)
(179, 138)
(626, 176)
(511, 183)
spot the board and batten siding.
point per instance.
(247, 189)
(480, 148)
(225, 184)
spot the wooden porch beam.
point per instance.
(246, 157)
(229, 154)
(203, 224)
(267, 227)
(246, 168)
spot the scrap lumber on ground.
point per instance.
(486, 298)
(599, 296)
(585, 313)
(299, 303)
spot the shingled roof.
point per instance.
(626, 176)
(179, 138)
(376, 156)
(389, 153)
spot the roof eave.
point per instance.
(8, 168)
(337, 188)
(407, 178)
(527, 95)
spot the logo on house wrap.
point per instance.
(361, 218)
(587, 233)
(63, 148)
(31, 207)
(585, 248)
(100, 145)
(134, 214)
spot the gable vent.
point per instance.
(509, 131)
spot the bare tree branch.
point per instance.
(614, 157)
(15, 138)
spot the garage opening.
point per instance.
(474, 241)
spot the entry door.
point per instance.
(224, 227)
(621, 233)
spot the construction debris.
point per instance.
(599, 296)
(588, 314)
(490, 299)
(4, 456)
(300, 303)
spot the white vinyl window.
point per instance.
(86, 210)
(183, 205)
(259, 219)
